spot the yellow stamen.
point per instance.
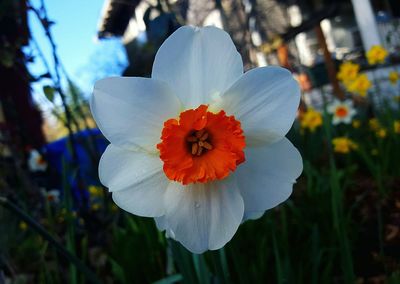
(204, 137)
(195, 148)
(207, 145)
(198, 142)
(199, 151)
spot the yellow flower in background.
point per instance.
(376, 55)
(360, 85)
(95, 206)
(311, 119)
(23, 226)
(381, 133)
(374, 124)
(356, 123)
(393, 77)
(348, 71)
(95, 191)
(65, 214)
(343, 145)
(396, 126)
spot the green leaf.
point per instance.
(6, 58)
(170, 279)
(118, 271)
(200, 266)
(49, 92)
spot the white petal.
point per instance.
(204, 216)
(252, 215)
(131, 111)
(348, 103)
(162, 225)
(266, 177)
(265, 101)
(120, 168)
(198, 63)
(331, 108)
(347, 119)
(136, 179)
(336, 120)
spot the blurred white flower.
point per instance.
(223, 156)
(36, 162)
(342, 111)
(53, 196)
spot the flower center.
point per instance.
(341, 111)
(201, 146)
(199, 142)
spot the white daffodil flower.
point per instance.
(342, 111)
(222, 156)
(36, 162)
(53, 196)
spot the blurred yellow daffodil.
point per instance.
(376, 55)
(95, 191)
(343, 145)
(311, 119)
(356, 123)
(95, 206)
(396, 126)
(381, 133)
(360, 85)
(23, 226)
(393, 77)
(374, 124)
(348, 71)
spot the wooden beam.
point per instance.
(329, 64)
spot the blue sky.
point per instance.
(74, 31)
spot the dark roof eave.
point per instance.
(115, 17)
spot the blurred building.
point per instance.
(354, 27)
(264, 31)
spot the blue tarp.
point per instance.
(57, 151)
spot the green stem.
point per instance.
(224, 264)
(278, 262)
(337, 209)
(40, 230)
(378, 93)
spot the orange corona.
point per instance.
(341, 111)
(201, 146)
